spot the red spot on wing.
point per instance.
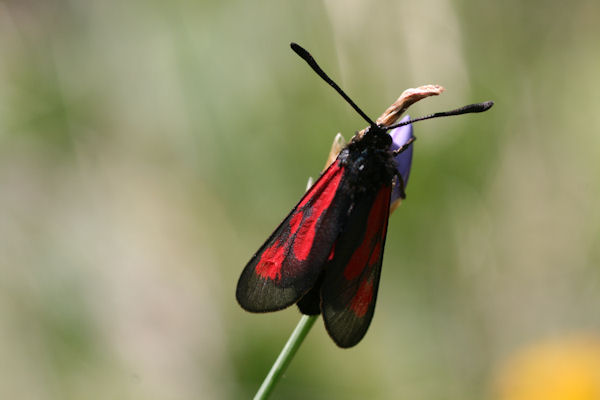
(332, 172)
(302, 225)
(269, 265)
(331, 253)
(362, 299)
(376, 253)
(303, 242)
(369, 250)
(295, 221)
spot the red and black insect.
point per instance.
(326, 255)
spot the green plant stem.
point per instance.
(286, 356)
(289, 350)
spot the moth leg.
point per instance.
(404, 146)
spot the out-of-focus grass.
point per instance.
(147, 149)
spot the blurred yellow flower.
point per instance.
(563, 369)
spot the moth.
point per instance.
(326, 255)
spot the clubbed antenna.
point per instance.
(468, 109)
(313, 64)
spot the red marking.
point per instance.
(376, 253)
(302, 228)
(332, 253)
(325, 192)
(295, 221)
(323, 181)
(368, 252)
(269, 265)
(362, 299)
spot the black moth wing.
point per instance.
(288, 264)
(351, 279)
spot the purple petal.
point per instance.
(403, 160)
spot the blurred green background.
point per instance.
(148, 148)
